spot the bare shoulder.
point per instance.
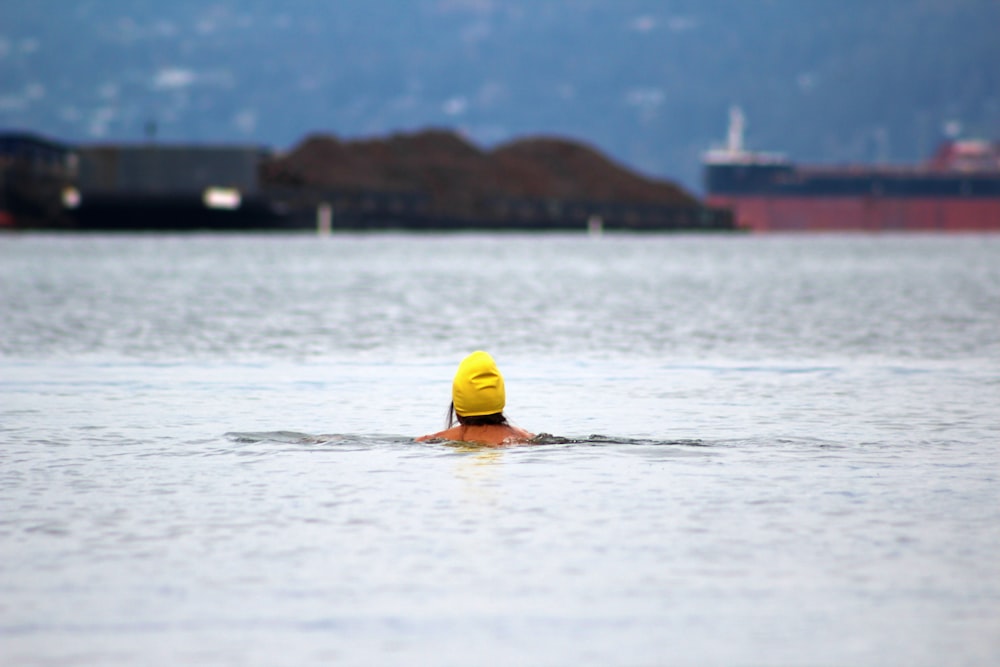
(450, 434)
(486, 435)
(519, 434)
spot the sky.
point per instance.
(647, 82)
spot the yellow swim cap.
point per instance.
(478, 386)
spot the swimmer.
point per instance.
(477, 400)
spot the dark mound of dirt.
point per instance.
(457, 177)
(546, 167)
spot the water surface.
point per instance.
(777, 450)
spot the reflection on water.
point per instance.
(479, 471)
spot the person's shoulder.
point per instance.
(511, 435)
(487, 435)
(449, 434)
(521, 434)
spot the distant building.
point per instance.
(170, 187)
(168, 169)
(34, 172)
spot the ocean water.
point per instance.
(773, 450)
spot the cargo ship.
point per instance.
(956, 190)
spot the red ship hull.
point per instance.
(956, 190)
(764, 213)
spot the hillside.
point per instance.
(458, 176)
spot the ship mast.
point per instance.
(734, 141)
(734, 151)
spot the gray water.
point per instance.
(760, 451)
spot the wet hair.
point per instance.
(495, 419)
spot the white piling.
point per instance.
(595, 225)
(324, 219)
